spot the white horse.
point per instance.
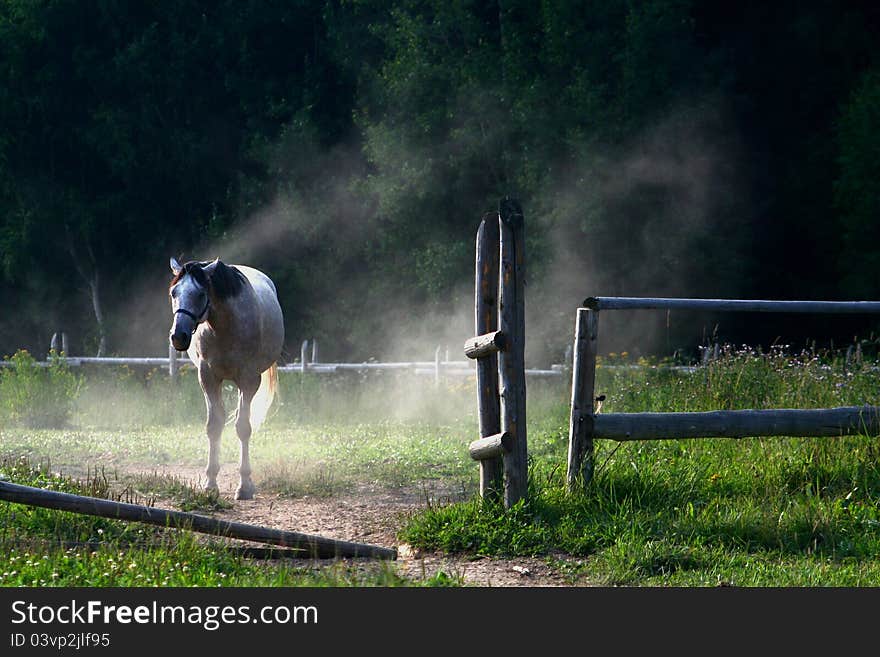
(228, 319)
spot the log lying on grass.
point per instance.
(318, 547)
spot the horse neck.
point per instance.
(222, 316)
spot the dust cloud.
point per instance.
(661, 215)
(658, 217)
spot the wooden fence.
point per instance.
(499, 349)
(585, 424)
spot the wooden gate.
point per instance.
(499, 348)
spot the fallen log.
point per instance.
(317, 547)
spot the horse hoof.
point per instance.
(244, 493)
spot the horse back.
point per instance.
(268, 309)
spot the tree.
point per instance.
(129, 130)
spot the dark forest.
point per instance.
(349, 149)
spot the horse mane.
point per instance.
(224, 282)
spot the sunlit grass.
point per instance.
(396, 453)
(42, 547)
(752, 512)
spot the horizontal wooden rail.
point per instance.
(318, 547)
(485, 345)
(490, 446)
(120, 360)
(841, 421)
(368, 365)
(743, 305)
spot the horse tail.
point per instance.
(264, 397)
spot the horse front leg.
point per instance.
(247, 388)
(211, 386)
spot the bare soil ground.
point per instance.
(372, 514)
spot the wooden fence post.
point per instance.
(173, 365)
(437, 366)
(304, 356)
(583, 378)
(59, 343)
(511, 361)
(486, 321)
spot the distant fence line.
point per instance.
(439, 368)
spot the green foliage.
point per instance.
(857, 190)
(35, 396)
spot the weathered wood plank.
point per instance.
(312, 545)
(841, 421)
(581, 420)
(484, 345)
(743, 305)
(486, 321)
(490, 447)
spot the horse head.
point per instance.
(190, 299)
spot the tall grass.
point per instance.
(740, 378)
(36, 396)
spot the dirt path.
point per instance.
(370, 515)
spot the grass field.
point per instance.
(754, 512)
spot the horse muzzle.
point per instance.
(182, 331)
(180, 339)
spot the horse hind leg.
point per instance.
(246, 391)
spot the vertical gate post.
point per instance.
(486, 321)
(511, 361)
(583, 382)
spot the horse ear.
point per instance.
(176, 267)
(211, 266)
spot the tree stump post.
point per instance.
(583, 378)
(486, 321)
